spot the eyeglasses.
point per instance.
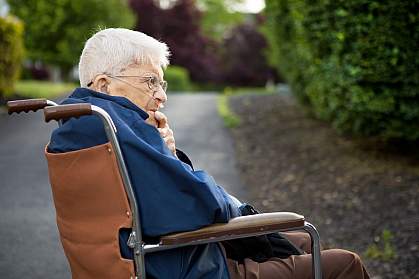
(153, 82)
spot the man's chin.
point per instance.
(156, 108)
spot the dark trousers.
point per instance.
(336, 264)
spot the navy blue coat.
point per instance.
(172, 196)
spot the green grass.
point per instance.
(231, 120)
(248, 90)
(43, 89)
(384, 249)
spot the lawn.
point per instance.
(232, 120)
(43, 89)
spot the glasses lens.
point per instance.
(153, 83)
(164, 85)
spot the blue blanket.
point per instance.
(172, 196)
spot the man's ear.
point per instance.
(101, 83)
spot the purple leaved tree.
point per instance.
(179, 27)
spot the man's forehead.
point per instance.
(147, 68)
(160, 72)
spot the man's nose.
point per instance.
(161, 96)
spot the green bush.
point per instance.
(11, 49)
(354, 62)
(177, 78)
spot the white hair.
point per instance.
(112, 50)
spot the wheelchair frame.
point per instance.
(53, 111)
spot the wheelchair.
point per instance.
(89, 224)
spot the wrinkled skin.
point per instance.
(138, 92)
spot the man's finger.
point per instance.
(152, 119)
(169, 140)
(164, 132)
(161, 119)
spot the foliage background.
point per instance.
(56, 31)
(178, 79)
(354, 62)
(12, 51)
(205, 37)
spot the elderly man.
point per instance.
(121, 72)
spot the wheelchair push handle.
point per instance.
(66, 111)
(26, 105)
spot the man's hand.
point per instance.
(159, 120)
(152, 119)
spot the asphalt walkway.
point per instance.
(29, 243)
(200, 133)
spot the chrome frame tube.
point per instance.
(141, 249)
(51, 103)
(136, 236)
(308, 227)
(315, 250)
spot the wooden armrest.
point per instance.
(244, 225)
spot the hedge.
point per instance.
(355, 62)
(11, 49)
(177, 79)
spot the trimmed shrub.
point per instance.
(177, 79)
(354, 62)
(11, 49)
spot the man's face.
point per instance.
(134, 84)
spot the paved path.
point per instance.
(199, 132)
(29, 244)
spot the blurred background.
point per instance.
(213, 43)
(319, 99)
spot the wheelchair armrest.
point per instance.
(239, 227)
